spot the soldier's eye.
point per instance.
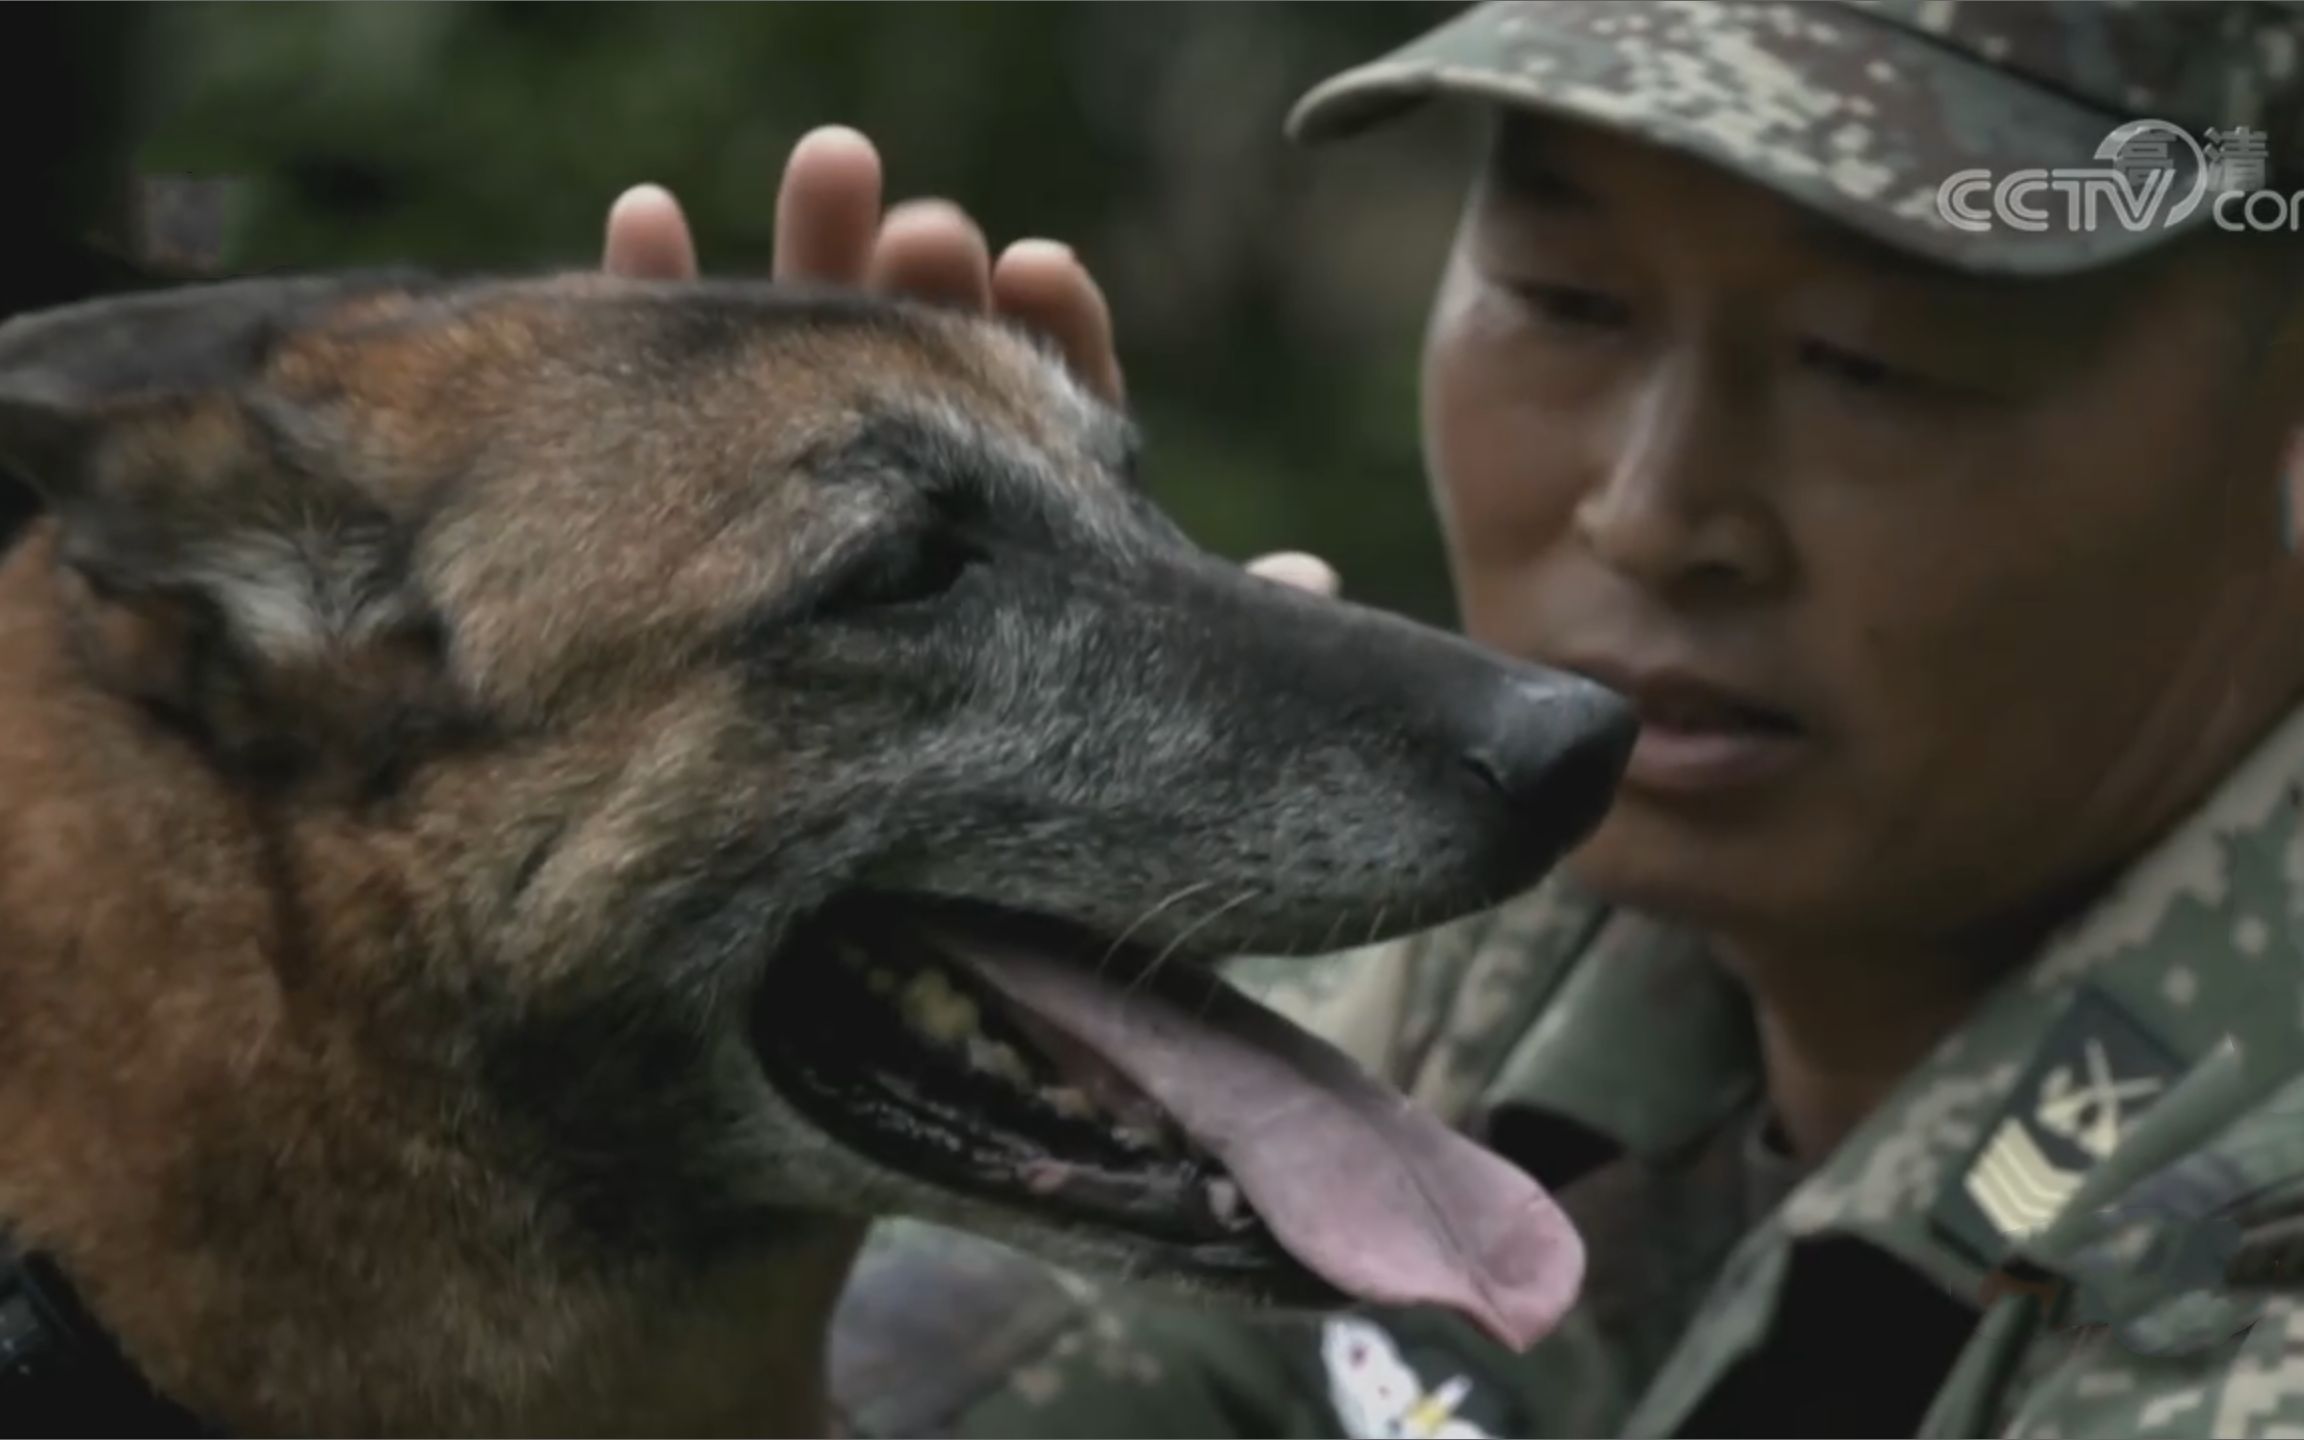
(1573, 306)
(1851, 367)
(1869, 377)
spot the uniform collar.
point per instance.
(1651, 1043)
(1646, 1040)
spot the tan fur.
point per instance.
(287, 1214)
(439, 727)
(156, 1026)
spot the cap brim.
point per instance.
(1838, 110)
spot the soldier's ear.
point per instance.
(176, 473)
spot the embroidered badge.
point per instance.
(1378, 1395)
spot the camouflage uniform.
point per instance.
(2083, 1214)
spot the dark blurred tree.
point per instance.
(67, 120)
(69, 82)
(1269, 301)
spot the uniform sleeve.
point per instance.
(1142, 1368)
(2247, 1386)
(1436, 1013)
(2188, 1314)
(1379, 1004)
(941, 1333)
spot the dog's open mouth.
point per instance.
(1027, 1061)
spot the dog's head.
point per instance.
(814, 765)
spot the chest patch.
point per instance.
(1378, 1395)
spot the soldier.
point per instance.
(1919, 1044)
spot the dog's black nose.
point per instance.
(1556, 746)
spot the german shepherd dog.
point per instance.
(532, 808)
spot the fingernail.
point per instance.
(646, 190)
(1051, 249)
(835, 133)
(1295, 568)
(931, 206)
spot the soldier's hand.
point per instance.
(830, 229)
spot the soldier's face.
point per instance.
(1940, 597)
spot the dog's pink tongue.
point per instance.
(1374, 1195)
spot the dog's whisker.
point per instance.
(1187, 933)
(1376, 926)
(1181, 894)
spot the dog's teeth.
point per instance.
(999, 1058)
(1139, 1136)
(1225, 1204)
(936, 1010)
(1068, 1102)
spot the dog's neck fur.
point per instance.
(257, 1187)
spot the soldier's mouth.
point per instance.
(1024, 1060)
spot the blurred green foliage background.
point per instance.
(1269, 298)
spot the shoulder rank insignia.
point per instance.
(2096, 1072)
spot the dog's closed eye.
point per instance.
(912, 569)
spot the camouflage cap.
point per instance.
(1865, 109)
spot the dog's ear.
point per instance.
(66, 372)
(220, 550)
(42, 436)
(175, 470)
